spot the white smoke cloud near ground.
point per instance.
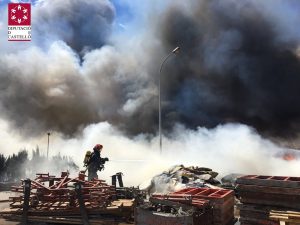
(89, 88)
(232, 148)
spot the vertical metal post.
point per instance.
(51, 182)
(27, 187)
(83, 212)
(120, 180)
(159, 110)
(48, 144)
(174, 51)
(114, 180)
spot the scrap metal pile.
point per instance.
(179, 177)
(60, 193)
(269, 199)
(67, 199)
(189, 206)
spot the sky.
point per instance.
(89, 75)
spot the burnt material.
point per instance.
(220, 200)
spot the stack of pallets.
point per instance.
(67, 200)
(58, 193)
(174, 212)
(260, 195)
(221, 201)
(206, 206)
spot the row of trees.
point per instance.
(18, 166)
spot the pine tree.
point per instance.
(2, 167)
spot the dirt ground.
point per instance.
(5, 222)
(3, 206)
(3, 196)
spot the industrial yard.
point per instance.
(246, 199)
(149, 112)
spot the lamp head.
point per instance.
(176, 50)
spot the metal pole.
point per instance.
(120, 180)
(27, 187)
(48, 144)
(83, 211)
(174, 51)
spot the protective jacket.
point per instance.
(93, 165)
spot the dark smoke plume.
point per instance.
(239, 62)
(236, 65)
(83, 25)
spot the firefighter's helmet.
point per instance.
(98, 147)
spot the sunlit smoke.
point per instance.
(232, 148)
(239, 62)
(87, 83)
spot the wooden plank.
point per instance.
(270, 181)
(264, 189)
(262, 208)
(254, 221)
(280, 200)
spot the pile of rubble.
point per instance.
(187, 195)
(269, 199)
(179, 177)
(181, 195)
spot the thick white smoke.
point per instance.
(232, 148)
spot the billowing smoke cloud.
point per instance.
(63, 96)
(239, 62)
(81, 24)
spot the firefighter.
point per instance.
(95, 162)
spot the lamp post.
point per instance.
(173, 52)
(48, 143)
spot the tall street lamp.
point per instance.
(173, 52)
(48, 143)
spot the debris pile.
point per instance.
(71, 200)
(229, 181)
(179, 177)
(191, 205)
(268, 199)
(61, 193)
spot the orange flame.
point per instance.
(289, 157)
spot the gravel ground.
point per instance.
(3, 196)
